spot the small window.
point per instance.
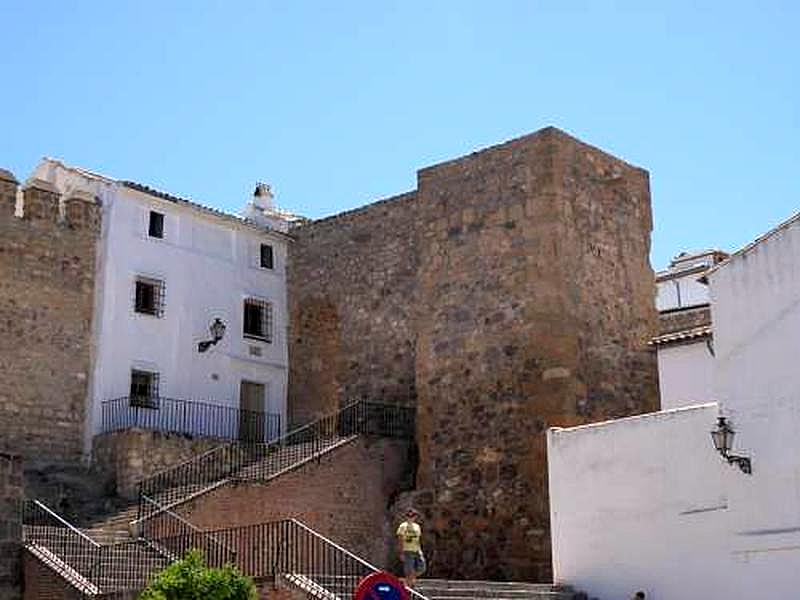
(144, 389)
(156, 228)
(267, 259)
(258, 320)
(149, 296)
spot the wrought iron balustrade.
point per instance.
(174, 536)
(170, 415)
(262, 461)
(69, 551)
(292, 550)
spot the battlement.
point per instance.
(39, 204)
(48, 250)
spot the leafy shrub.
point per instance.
(191, 579)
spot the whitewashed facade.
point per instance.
(685, 346)
(647, 502)
(167, 269)
(679, 285)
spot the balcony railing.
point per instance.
(170, 415)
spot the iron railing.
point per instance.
(294, 551)
(174, 536)
(128, 565)
(170, 415)
(282, 549)
(87, 566)
(261, 462)
(69, 551)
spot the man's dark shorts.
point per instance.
(413, 562)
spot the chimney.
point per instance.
(262, 196)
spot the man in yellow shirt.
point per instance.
(409, 536)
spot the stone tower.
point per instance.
(512, 291)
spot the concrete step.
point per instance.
(446, 589)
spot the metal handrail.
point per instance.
(261, 461)
(176, 415)
(192, 527)
(64, 522)
(326, 541)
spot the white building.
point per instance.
(167, 270)
(648, 503)
(684, 344)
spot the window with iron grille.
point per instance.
(149, 296)
(144, 389)
(258, 320)
(156, 226)
(267, 257)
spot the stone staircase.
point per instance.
(447, 589)
(100, 556)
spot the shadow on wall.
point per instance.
(316, 344)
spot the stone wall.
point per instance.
(346, 497)
(535, 307)
(526, 300)
(124, 458)
(10, 525)
(684, 319)
(351, 279)
(47, 267)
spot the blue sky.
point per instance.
(338, 104)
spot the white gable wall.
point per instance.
(647, 503)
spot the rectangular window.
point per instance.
(156, 228)
(149, 298)
(267, 260)
(258, 320)
(144, 389)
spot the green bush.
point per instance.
(191, 579)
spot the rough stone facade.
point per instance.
(126, 457)
(10, 525)
(351, 279)
(519, 289)
(47, 268)
(346, 497)
(684, 319)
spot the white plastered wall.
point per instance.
(685, 374)
(646, 502)
(209, 266)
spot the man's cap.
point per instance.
(412, 511)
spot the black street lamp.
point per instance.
(217, 330)
(722, 437)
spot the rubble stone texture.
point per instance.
(47, 266)
(510, 293)
(123, 458)
(10, 526)
(352, 280)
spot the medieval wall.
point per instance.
(123, 458)
(10, 526)
(526, 298)
(47, 267)
(535, 307)
(346, 497)
(350, 282)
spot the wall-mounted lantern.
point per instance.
(723, 442)
(217, 330)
